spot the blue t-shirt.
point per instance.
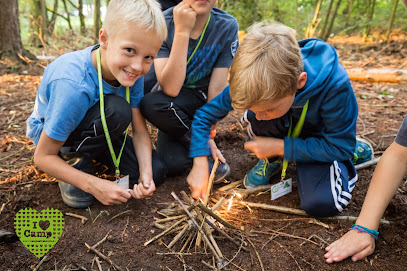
(68, 89)
(401, 137)
(216, 50)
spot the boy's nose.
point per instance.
(137, 66)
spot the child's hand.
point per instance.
(108, 192)
(144, 188)
(354, 244)
(198, 177)
(265, 147)
(215, 151)
(184, 18)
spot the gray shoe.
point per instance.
(75, 197)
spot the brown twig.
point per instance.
(230, 186)
(179, 235)
(198, 227)
(289, 253)
(280, 209)
(220, 220)
(165, 232)
(257, 254)
(82, 218)
(169, 218)
(119, 214)
(246, 192)
(101, 241)
(107, 259)
(41, 262)
(285, 234)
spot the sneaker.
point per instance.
(222, 172)
(261, 173)
(75, 197)
(363, 151)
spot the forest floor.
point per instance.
(280, 241)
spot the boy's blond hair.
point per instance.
(266, 66)
(145, 14)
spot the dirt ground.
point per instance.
(281, 241)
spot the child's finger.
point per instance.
(361, 255)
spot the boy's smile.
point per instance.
(273, 110)
(128, 54)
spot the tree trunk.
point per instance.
(393, 14)
(371, 7)
(81, 16)
(96, 20)
(312, 26)
(54, 17)
(10, 40)
(68, 17)
(328, 32)
(328, 12)
(350, 8)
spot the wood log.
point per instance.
(378, 75)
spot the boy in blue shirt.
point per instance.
(87, 99)
(281, 81)
(191, 67)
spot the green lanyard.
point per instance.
(116, 161)
(295, 133)
(199, 42)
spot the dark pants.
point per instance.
(324, 188)
(89, 140)
(173, 117)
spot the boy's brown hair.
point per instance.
(266, 66)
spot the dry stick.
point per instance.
(230, 186)
(210, 236)
(218, 204)
(101, 241)
(198, 227)
(368, 163)
(39, 264)
(98, 264)
(224, 234)
(212, 214)
(169, 218)
(246, 192)
(159, 226)
(125, 228)
(119, 214)
(179, 235)
(289, 253)
(281, 209)
(191, 234)
(209, 265)
(208, 193)
(285, 234)
(82, 218)
(353, 218)
(107, 259)
(257, 254)
(165, 232)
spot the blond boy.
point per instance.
(66, 124)
(278, 80)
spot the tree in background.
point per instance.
(10, 40)
(96, 20)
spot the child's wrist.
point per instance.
(361, 229)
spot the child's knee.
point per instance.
(319, 206)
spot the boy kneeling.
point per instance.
(301, 106)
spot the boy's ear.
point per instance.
(302, 79)
(103, 38)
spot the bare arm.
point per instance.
(142, 148)
(171, 71)
(387, 177)
(219, 80)
(47, 159)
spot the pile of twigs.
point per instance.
(192, 221)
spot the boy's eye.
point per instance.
(149, 58)
(129, 50)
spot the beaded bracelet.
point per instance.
(360, 229)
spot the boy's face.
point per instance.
(128, 54)
(201, 7)
(273, 110)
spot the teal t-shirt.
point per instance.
(68, 89)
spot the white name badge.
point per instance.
(124, 181)
(280, 189)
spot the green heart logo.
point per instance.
(39, 232)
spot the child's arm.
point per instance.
(171, 71)
(219, 80)
(47, 159)
(201, 146)
(142, 148)
(387, 177)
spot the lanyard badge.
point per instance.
(285, 185)
(116, 160)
